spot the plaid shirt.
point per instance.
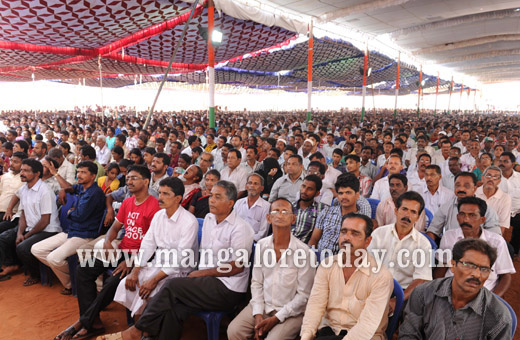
(329, 220)
(306, 220)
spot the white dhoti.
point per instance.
(132, 300)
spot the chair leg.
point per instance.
(73, 263)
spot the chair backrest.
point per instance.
(432, 242)
(201, 222)
(429, 217)
(102, 223)
(394, 319)
(64, 221)
(373, 204)
(513, 315)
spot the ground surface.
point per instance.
(40, 313)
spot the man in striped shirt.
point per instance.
(306, 208)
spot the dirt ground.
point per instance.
(40, 313)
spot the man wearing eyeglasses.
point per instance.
(471, 217)
(281, 286)
(457, 307)
(494, 197)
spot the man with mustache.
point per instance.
(381, 190)
(326, 232)
(471, 217)
(83, 224)
(135, 215)
(510, 183)
(9, 184)
(306, 208)
(392, 239)
(350, 293)
(458, 307)
(280, 287)
(494, 197)
(446, 216)
(416, 177)
(172, 237)
(385, 213)
(453, 169)
(254, 208)
(433, 192)
(38, 221)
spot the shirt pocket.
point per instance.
(288, 275)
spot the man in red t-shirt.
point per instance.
(135, 215)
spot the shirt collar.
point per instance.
(412, 233)
(230, 219)
(37, 185)
(176, 214)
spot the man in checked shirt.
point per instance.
(307, 209)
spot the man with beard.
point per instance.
(305, 152)
(381, 188)
(135, 214)
(159, 166)
(254, 208)
(83, 223)
(306, 209)
(38, 221)
(494, 197)
(471, 217)
(394, 239)
(458, 307)
(352, 293)
(446, 216)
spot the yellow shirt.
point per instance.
(359, 306)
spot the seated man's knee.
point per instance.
(55, 259)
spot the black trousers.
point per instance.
(326, 333)
(89, 301)
(6, 225)
(515, 238)
(12, 254)
(165, 313)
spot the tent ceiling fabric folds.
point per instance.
(67, 41)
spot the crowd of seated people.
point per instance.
(318, 220)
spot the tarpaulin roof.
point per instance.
(71, 41)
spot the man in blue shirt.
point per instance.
(81, 224)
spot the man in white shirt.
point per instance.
(331, 174)
(38, 221)
(67, 171)
(434, 193)
(422, 145)
(494, 197)
(254, 208)
(216, 285)
(470, 218)
(173, 232)
(236, 141)
(234, 172)
(10, 183)
(329, 147)
(469, 160)
(510, 183)
(251, 164)
(103, 153)
(398, 241)
(464, 138)
(416, 179)
(454, 168)
(279, 292)
(381, 189)
(288, 186)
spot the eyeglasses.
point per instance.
(281, 213)
(471, 266)
(133, 178)
(489, 176)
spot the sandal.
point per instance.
(5, 277)
(90, 333)
(30, 281)
(66, 291)
(113, 336)
(68, 332)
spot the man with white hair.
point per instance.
(103, 153)
(494, 197)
